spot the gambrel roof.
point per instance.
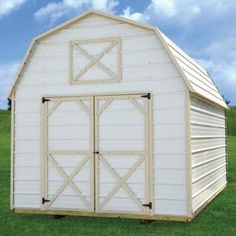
(196, 78)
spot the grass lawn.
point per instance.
(219, 218)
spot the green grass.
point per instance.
(231, 121)
(219, 218)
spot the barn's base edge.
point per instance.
(97, 214)
(120, 215)
(201, 208)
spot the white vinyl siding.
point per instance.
(208, 151)
(146, 68)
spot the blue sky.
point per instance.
(204, 29)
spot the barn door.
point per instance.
(68, 164)
(122, 154)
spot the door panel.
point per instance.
(96, 154)
(121, 162)
(68, 147)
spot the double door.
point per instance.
(96, 153)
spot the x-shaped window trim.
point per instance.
(95, 60)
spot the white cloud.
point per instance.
(7, 6)
(55, 10)
(142, 17)
(166, 7)
(7, 74)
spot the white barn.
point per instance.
(110, 118)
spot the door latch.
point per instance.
(45, 200)
(96, 152)
(149, 205)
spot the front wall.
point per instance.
(47, 74)
(208, 142)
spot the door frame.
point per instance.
(148, 138)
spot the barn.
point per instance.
(110, 118)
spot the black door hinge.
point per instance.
(148, 96)
(45, 100)
(45, 200)
(96, 152)
(149, 205)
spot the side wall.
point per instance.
(208, 141)
(146, 68)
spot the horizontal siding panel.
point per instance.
(30, 187)
(69, 119)
(166, 131)
(169, 116)
(142, 86)
(204, 178)
(207, 107)
(170, 192)
(170, 147)
(27, 160)
(169, 161)
(208, 155)
(131, 132)
(170, 176)
(170, 207)
(59, 132)
(117, 30)
(27, 201)
(27, 173)
(27, 106)
(27, 146)
(130, 58)
(204, 130)
(69, 145)
(27, 132)
(196, 116)
(130, 72)
(169, 100)
(205, 195)
(121, 145)
(143, 42)
(204, 143)
(208, 167)
(28, 119)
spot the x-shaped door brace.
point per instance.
(68, 180)
(121, 182)
(95, 60)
